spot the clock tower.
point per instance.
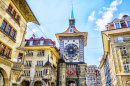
(71, 68)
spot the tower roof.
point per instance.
(72, 15)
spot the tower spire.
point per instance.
(72, 20)
(72, 15)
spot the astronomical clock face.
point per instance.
(71, 50)
(71, 72)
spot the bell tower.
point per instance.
(72, 65)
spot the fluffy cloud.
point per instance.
(107, 15)
(91, 17)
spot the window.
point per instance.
(38, 73)
(31, 42)
(128, 23)
(8, 30)
(26, 73)
(20, 58)
(71, 30)
(40, 63)
(123, 51)
(41, 42)
(126, 67)
(73, 40)
(117, 25)
(29, 53)
(10, 8)
(13, 34)
(18, 17)
(14, 13)
(8, 52)
(3, 25)
(28, 63)
(120, 39)
(3, 48)
(40, 53)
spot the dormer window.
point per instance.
(41, 42)
(31, 42)
(71, 30)
(128, 23)
(117, 25)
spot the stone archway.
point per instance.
(38, 83)
(4, 81)
(70, 83)
(52, 84)
(25, 83)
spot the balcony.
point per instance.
(17, 66)
(8, 35)
(1, 54)
(46, 77)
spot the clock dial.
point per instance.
(71, 72)
(71, 50)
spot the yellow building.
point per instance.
(93, 76)
(40, 63)
(14, 15)
(115, 64)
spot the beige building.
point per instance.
(115, 64)
(40, 64)
(14, 16)
(93, 76)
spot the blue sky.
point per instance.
(91, 16)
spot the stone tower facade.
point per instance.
(71, 68)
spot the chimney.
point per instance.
(33, 36)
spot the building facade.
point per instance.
(115, 63)
(40, 64)
(14, 16)
(71, 68)
(93, 76)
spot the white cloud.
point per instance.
(121, 14)
(99, 59)
(34, 30)
(107, 15)
(100, 12)
(91, 17)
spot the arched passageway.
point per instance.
(38, 83)
(52, 84)
(70, 83)
(4, 81)
(25, 83)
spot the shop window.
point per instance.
(20, 58)
(123, 51)
(3, 25)
(3, 49)
(8, 52)
(8, 30)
